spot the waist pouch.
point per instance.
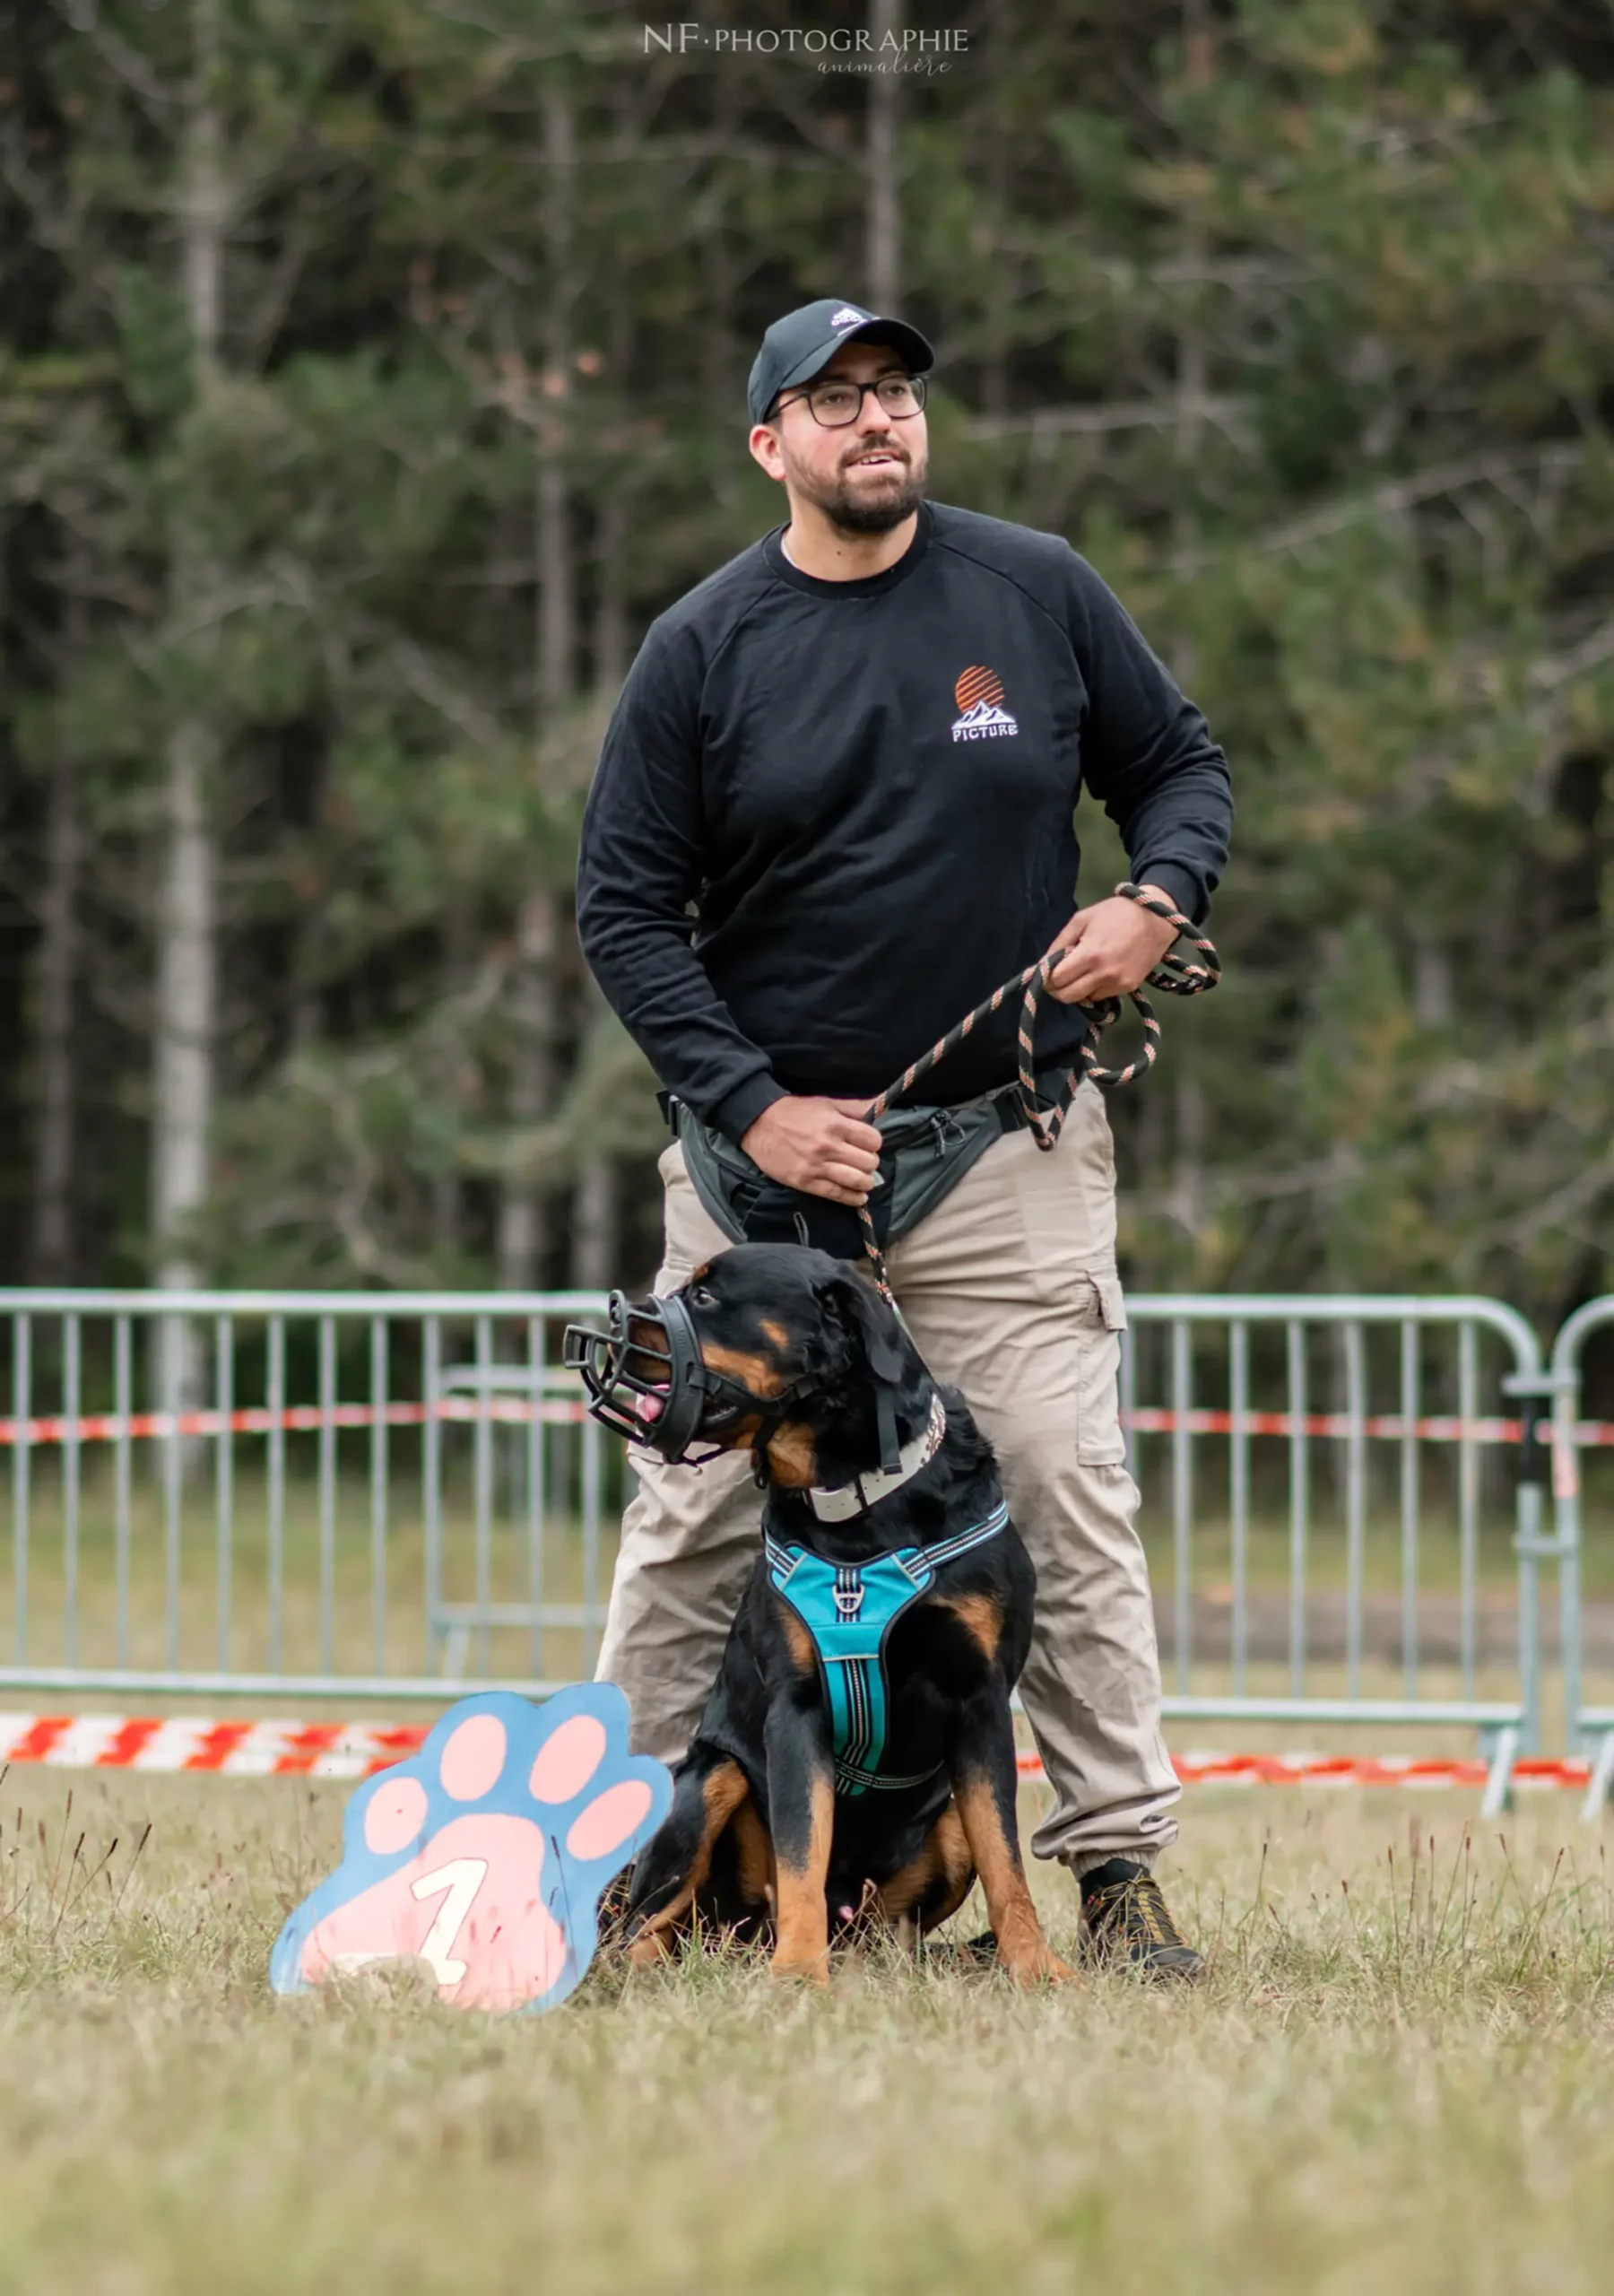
(926, 1152)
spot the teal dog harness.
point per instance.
(849, 1609)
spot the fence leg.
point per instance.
(1602, 1784)
(1500, 1749)
(1527, 1544)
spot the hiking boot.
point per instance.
(1126, 1924)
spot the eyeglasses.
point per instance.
(838, 403)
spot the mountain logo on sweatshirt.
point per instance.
(981, 717)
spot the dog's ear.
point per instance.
(858, 1306)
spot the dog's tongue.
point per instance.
(649, 1408)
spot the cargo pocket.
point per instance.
(1101, 1318)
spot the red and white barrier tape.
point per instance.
(352, 1750)
(297, 1419)
(1380, 1427)
(238, 1749)
(308, 1418)
(1355, 1770)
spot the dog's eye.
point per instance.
(701, 1298)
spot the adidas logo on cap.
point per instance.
(846, 316)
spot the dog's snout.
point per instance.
(650, 1362)
(648, 1336)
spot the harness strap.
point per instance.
(851, 1780)
(849, 1609)
(949, 1550)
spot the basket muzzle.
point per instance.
(645, 1378)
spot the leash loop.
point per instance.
(1189, 973)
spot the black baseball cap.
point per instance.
(802, 343)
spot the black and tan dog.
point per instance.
(858, 1749)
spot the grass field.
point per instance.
(1399, 2075)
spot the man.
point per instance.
(832, 812)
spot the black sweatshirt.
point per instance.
(831, 817)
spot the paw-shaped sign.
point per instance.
(484, 1854)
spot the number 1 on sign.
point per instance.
(462, 1879)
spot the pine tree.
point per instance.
(369, 382)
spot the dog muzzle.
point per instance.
(645, 1379)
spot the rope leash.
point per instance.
(1184, 974)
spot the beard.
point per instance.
(866, 511)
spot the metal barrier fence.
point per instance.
(1374, 1350)
(1590, 1727)
(187, 1470)
(399, 1495)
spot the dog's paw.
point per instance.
(483, 1856)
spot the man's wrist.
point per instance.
(734, 1115)
(1154, 917)
(1173, 885)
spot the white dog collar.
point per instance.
(836, 1503)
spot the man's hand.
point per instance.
(819, 1145)
(1114, 946)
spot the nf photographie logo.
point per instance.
(981, 717)
(847, 50)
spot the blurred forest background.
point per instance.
(371, 373)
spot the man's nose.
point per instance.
(871, 414)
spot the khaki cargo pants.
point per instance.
(1010, 1291)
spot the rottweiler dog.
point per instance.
(857, 1753)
